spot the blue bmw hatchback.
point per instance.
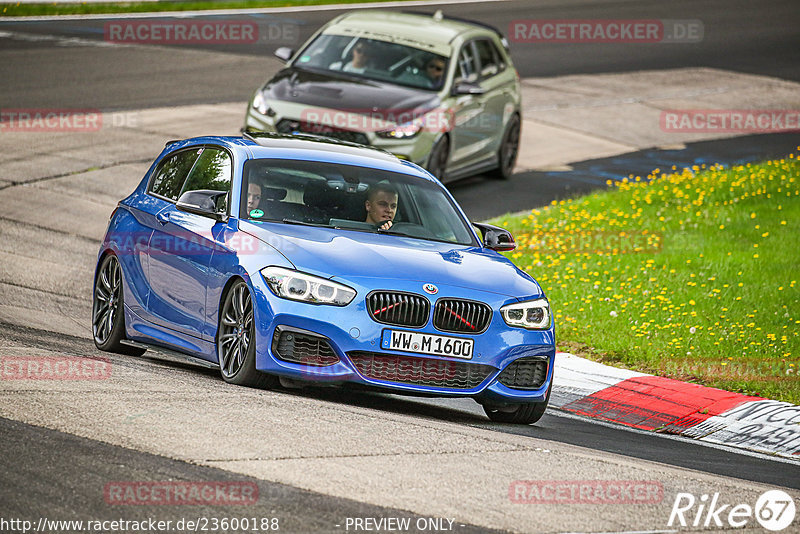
(294, 260)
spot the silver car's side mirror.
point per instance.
(467, 88)
(284, 53)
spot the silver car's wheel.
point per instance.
(509, 150)
(236, 340)
(108, 312)
(437, 162)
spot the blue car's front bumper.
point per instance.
(351, 330)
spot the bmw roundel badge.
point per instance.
(430, 289)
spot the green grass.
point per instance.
(710, 296)
(14, 9)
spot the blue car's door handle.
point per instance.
(163, 217)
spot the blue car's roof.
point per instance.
(308, 148)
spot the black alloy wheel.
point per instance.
(523, 414)
(108, 310)
(236, 340)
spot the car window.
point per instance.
(374, 59)
(489, 58)
(171, 174)
(467, 69)
(212, 170)
(335, 195)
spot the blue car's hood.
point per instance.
(350, 254)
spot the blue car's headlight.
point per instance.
(294, 285)
(534, 314)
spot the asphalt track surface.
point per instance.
(758, 37)
(744, 36)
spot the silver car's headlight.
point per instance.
(294, 285)
(402, 131)
(260, 104)
(534, 314)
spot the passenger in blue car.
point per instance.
(381, 205)
(253, 196)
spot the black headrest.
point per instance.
(273, 193)
(317, 195)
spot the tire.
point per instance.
(437, 161)
(508, 151)
(236, 340)
(108, 309)
(522, 414)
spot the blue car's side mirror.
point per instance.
(496, 238)
(202, 202)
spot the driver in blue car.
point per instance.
(381, 205)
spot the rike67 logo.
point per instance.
(774, 510)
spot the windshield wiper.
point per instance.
(304, 223)
(390, 232)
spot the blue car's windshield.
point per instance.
(350, 197)
(375, 60)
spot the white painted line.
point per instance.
(250, 11)
(58, 39)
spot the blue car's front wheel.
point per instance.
(236, 340)
(108, 309)
(524, 414)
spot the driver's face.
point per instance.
(382, 207)
(435, 68)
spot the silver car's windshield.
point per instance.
(350, 198)
(375, 60)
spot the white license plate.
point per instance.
(453, 347)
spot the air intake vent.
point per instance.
(456, 315)
(524, 373)
(420, 371)
(299, 346)
(400, 309)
